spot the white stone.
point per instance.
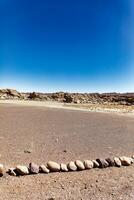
(11, 171)
(63, 167)
(44, 169)
(79, 165)
(95, 164)
(53, 166)
(88, 164)
(126, 161)
(117, 161)
(22, 170)
(72, 166)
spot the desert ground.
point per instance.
(63, 135)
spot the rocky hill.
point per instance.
(82, 98)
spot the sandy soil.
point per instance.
(65, 135)
(103, 108)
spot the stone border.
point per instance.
(78, 165)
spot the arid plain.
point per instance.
(39, 134)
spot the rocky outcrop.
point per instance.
(77, 98)
(10, 94)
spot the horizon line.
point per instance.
(61, 91)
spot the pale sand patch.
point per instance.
(33, 103)
(117, 109)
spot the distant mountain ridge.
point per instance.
(82, 98)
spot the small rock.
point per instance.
(5, 176)
(33, 168)
(79, 165)
(53, 166)
(88, 164)
(1, 170)
(57, 140)
(71, 166)
(63, 167)
(11, 172)
(126, 161)
(110, 162)
(96, 164)
(27, 151)
(44, 169)
(21, 170)
(117, 162)
(102, 163)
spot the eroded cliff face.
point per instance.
(78, 98)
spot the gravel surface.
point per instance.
(39, 134)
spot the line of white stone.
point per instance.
(78, 165)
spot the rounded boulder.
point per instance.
(22, 170)
(53, 166)
(72, 166)
(79, 165)
(88, 164)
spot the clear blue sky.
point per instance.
(67, 45)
